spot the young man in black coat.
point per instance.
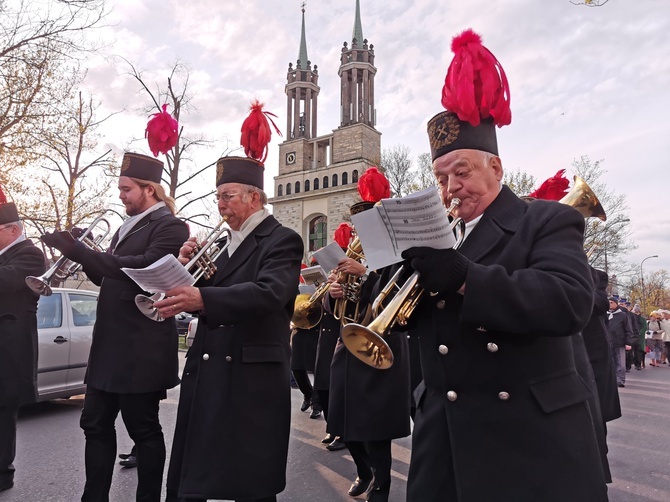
(502, 411)
(18, 331)
(233, 422)
(133, 359)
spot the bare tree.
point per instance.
(652, 292)
(520, 182)
(37, 40)
(76, 174)
(591, 3)
(423, 176)
(396, 165)
(176, 94)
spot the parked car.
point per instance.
(183, 320)
(190, 334)
(65, 329)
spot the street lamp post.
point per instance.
(644, 296)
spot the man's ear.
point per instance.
(496, 164)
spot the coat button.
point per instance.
(443, 349)
(482, 329)
(452, 396)
(503, 396)
(228, 358)
(441, 304)
(205, 357)
(492, 347)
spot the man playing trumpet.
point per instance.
(502, 413)
(233, 420)
(133, 359)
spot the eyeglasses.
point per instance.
(225, 197)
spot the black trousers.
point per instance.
(8, 416)
(305, 385)
(373, 457)
(140, 416)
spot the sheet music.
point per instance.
(395, 225)
(161, 276)
(314, 275)
(329, 256)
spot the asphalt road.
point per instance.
(50, 468)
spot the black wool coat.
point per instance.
(498, 363)
(233, 420)
(329, 333)
(130, 353)
(366, 403)
(18, 324)
(599, 350)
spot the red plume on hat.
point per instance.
(554, 188)
(3, 197)
(476, 87)
(373, 186)
(256, 132)
(162, 132)
(342, 235)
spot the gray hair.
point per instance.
(260, 192)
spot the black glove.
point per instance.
(63, 241)
(440, 270)
(77, 232)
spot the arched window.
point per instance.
(306, 185)
(325, 182)
(334, 180)
(280, 190)
(318, 233)
(345, 178)
(288, 189)
(297, 187)
(316, 183)
(354, 176)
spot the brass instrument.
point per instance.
(367, 343)
(351, 286)
(582, 198)
(202, 262)
(64, 267)
(308, 311)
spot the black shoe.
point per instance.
(328, 439)
(124, 456)
(6, 485)
(316, 413)
(336, 445)
(305, 404)
(622, 385)
(361, 486)
(638, 368)
(129, 462)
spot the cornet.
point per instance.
(64, 267)
(202, 265)
(367, 343)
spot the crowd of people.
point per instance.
(508, 366)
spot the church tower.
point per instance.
(318, 175)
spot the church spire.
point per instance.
(358, 26)
(302, 53)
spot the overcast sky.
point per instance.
(584, 81)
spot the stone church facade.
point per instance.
(318, 175)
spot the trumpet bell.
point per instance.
(367, 346)
(146, 305)
(306, 314)
(582, 198)
(39, 285)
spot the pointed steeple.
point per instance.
(302, 54)
(358, 26)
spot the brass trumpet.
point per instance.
(582, 198)
(64, 267)
(367, 343)
(351, 286)
(202, 263)
(307, 310)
